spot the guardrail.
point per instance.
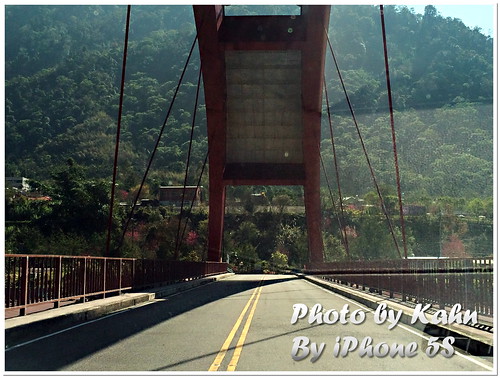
(443, 282)
(35, 279)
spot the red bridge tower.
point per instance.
(263, 80)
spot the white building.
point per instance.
(20, 183)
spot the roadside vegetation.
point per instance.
(62, 68)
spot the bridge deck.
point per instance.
(186, 332)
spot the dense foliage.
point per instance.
(62, 71)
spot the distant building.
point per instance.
(40, 198)
(148, 202)
(414, 210)
(20, 183)
(354, 203)
(259, 198)
(172, 195)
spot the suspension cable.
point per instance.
(194, 195)
(372, 172)
(394, 147)
(188, 159)
(118, 130)
(158, 141)
(198, 184)
(343, 235)
(335, 161)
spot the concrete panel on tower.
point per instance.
(264, 119)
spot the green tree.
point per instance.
(292, 240)
(373, 241)
(246, 257)
(476, 207)
(247, 233)
(80, 205)
(281, 202)
(279, 260)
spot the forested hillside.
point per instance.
(62, 81)
(441, 75)
(62, 71)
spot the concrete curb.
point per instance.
(165, 291)
(470, 339)
(29, 327)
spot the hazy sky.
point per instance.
(471, 15)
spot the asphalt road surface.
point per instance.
(243, 323)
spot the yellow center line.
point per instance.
(222, 353)
(241, 340)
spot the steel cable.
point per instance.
(118, 130)
(372, 172)
(157, 141)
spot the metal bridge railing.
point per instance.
(443, 282)
(36, 279)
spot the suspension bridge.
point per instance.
(264, 84)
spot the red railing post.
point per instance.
(133, 274)
(120, 270)
(57, 281)
(104, 278)
(8, 286)
(84, 284)
(24, 284)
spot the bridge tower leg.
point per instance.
(263, 80)
(217, 193)
(312, 199)
(212, 56)
(313, 69)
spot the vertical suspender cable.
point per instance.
(332, 139)
(389, 95)
(151, 158)
(198, 184)
(194, 195)
(188, 159)
(372, 172)
(118, 129)
(341, 227)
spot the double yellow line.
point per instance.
(241, 341)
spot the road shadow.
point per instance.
(62, 349)
(214, 353)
